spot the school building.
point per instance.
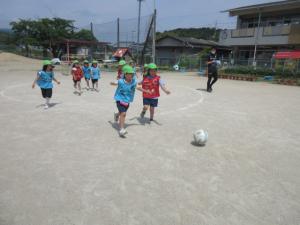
(262, 30)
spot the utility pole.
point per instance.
(256, 38)
(139, 26)
(118, 33)
(92, 28)
(154, 36)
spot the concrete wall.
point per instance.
(227, 39)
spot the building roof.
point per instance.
(266, 7)
(192, 42)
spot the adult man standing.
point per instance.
(212, 69)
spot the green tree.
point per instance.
(49, 33)
(200, 33)
(84, 35)
(24, 33)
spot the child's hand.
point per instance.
(58, 82)
(33, 85)
(168, 92)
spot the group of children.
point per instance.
(127, 82)
(90, 73)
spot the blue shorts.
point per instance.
(153, 102)
(122, 106)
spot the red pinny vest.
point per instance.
(151, 84)
(78, 73)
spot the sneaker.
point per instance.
(143, 114)
(123, 132)
(151, 120)
(46, 106)
(116, 117)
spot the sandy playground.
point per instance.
(68, 166)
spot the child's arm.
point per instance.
(35, 80)
(58, 82)
(162, 85)
(143, 90)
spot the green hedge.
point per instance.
(260, 71)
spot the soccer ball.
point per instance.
(200, 137)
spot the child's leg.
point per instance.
(122, 120)
(145, 108)
(79, 86)
(87, 83)
(97, 84)
(152, 112)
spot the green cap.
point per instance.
(95, 62)
(85, 61)
(152, 66)
(75, 61)
(122, 62)
(128, 70)
(47, 62)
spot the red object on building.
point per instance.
(121, 52)
(287, 55)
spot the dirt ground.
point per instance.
(68, 166)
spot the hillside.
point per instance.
(202, 33)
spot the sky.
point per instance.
(170, 13)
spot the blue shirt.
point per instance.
(86, 72)
(125, 91)
(45, 79)
(95, 73)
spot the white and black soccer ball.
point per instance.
(200, 137)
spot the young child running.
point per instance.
(87, 73)
(124, 96)
(152, 82)
(77, 74)
(44, 81)
(122, 63)
(95, 71)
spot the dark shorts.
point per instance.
(213, 73)
(121, 107)
(47, 93)
(150, 101)
(94, 80)
(87, 78)
(76, 81)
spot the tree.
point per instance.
(84, 34)
(48, 33)
(24, 33)
(200, 33)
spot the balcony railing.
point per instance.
(277, 30)
(245, 32)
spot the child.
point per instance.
(152, 82)
(44, 81)
(77, 74)
(87, 73)
(124, 96)
(95, 71)
(145, 70)
(122, 63)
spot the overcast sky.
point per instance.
(171, 13)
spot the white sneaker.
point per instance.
(123, 132)
(46, 106)
(116, 117)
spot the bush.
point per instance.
(260, 72)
